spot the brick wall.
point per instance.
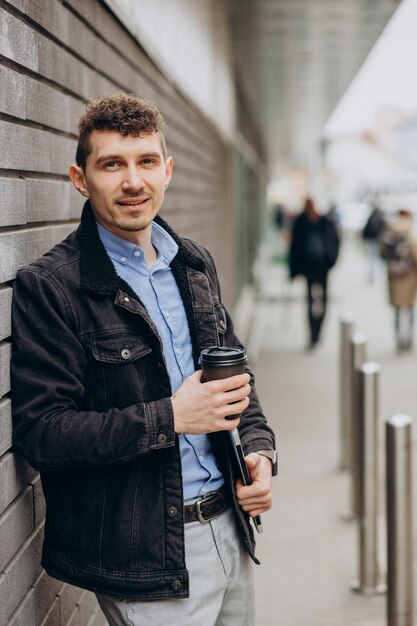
(54, 55)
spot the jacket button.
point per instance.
(222, 324)
(162, 438)
(126, 354)
(172, 511)
(176, 585)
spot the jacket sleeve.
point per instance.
(255, 432)
(48, 369)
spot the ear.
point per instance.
(169, 164)
(78, 179)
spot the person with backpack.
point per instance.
(399, 250)
(313, 252)
(371, 233)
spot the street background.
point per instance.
(308, 551)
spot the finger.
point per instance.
(245, 390)
(253, 506)
(256, 512)
(251, 503)
(235, 408)
(235, 395)
(227, 384)
(253, 499)
(228, 422)
(253, 492)
(252, 460)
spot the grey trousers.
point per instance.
(221, 584)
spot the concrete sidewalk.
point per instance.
(308, 551)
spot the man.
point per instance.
(313, 252)
(143, 506)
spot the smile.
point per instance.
(133, 203)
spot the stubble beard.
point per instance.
(135, 224)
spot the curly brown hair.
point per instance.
(125, 113)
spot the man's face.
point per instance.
(125, 179)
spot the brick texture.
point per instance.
(13, 202)
(5, 311)
(5, 425)
(13, 479)
(5, 351)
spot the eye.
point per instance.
(148, 162)
(110, 165)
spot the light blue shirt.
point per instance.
(159, 292)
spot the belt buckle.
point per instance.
(200, 517)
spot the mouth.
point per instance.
(133, 203)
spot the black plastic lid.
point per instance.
(218, 355)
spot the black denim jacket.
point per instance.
(92, 412)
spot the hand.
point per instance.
(256, 498)
(201, 408)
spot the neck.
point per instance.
(143, 239)
(151, 254)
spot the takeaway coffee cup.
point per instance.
(221, 362)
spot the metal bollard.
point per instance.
(368, 581)
(357, 359)
(399, 521)
(346, 331)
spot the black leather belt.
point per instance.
(207, 508)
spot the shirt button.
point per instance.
(162, 438)
(136, 253)
(172, 511)
(123, 260)
(176, 585)
(126, 354)
(166, 313)
(177, 351)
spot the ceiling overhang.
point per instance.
(296, 59)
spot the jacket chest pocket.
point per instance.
(121, 364)
(119, 349)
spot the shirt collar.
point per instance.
(120, 249)
(163, 242)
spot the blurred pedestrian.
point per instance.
(313, 252)
(371, 233)
(399, 249)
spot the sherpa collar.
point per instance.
(97, 270)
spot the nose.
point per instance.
(132, 180)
